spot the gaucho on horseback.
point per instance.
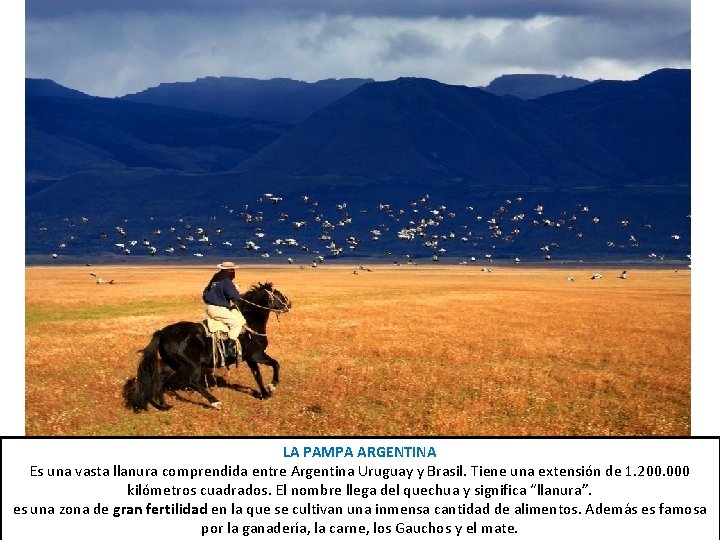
(189, 348)
(220, 296)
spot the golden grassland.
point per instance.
(401, 351)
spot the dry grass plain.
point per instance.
(411, 350)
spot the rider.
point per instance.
(219, 297)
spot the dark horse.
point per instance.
(185, 347)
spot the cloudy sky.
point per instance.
(114, 47)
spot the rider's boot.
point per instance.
(231, 352)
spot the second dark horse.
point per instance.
(185, 347)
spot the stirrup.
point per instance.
(230, 351)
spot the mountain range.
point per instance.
(206, 150)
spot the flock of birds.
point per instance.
(420, 228)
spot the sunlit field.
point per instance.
(402, 350)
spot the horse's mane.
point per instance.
(252, 293)
(256, 287)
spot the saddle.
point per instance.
(218, 331)
(214, 326)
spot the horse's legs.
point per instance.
(252, 364)
(194, 381)
(274, 364)
(188, 354)
(158, 400)
(259, 357)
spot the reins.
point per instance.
(246, 328)
(274, 310)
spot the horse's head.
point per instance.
(267, 296)
(279, 303)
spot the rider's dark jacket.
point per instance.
(219, 293)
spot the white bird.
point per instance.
(596, 276)
(623, 275)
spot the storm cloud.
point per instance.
(115, 48)
(506, 9)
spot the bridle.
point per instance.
(276, 298)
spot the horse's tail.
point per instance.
(149, 375)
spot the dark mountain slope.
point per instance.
(530, 86)
(280, 100)
(48, 88)
(644, 123)
(67, 135)
(420, 130)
